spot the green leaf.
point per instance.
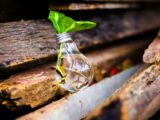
(64, 23)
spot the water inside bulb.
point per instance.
(74, 71)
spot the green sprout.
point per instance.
(64, 23)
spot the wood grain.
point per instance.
(13, 10)
(37, 86)
(92, 6)
(84, 101)
(27, 43)
(133, 99)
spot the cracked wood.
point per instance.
(133, 99)
(28, 43)
(37, 86)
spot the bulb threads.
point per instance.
(63, 37)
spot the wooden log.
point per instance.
(83, 101)
(33, 42)
(13, 10)
(91, 6)
(133, 99)
(152, 54)
(37, 86)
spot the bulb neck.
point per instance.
(64, 37)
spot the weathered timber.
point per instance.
(152, 54)
(11, 10)
(91, 6)
(83, 101)
(33, 42)
(37, 86)
(133, 99)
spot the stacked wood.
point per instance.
(11, 10)
(152, 54)
(139, 98)
(33, 42)
(134, 100)
(83, 101)
(37, 86)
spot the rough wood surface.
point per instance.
(83, 101)
(11, 10)
(131, 101)
(92, 6)
(37, 86)
(33, 42)
(152, 54)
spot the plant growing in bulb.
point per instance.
(74, 71)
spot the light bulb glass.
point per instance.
(74, 71)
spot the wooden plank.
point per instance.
(152, 54)
(83, 101)
(37, 86)
(131, 101)
(13, 10)
(33, 42)
(92, 6)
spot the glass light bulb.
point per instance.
(74, 71)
